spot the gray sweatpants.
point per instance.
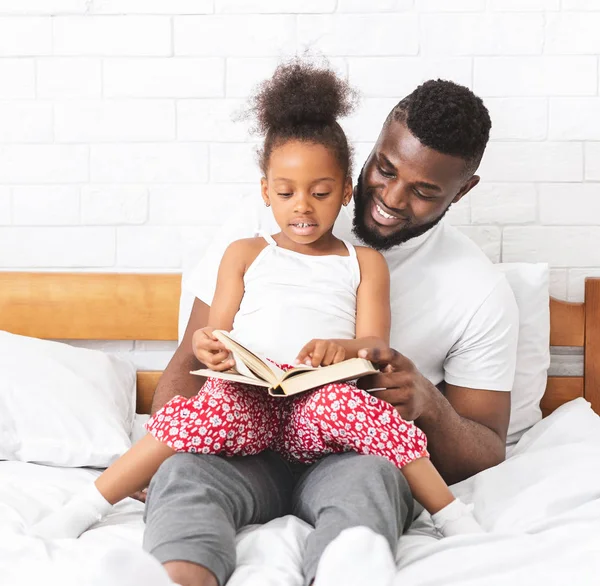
(196, 503)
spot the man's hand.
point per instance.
(210, 351)
(321, 353)
(401, 384)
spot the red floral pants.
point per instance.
(233, 419)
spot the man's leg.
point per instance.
(196, 503)
(350, 490)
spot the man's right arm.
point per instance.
(176, 379)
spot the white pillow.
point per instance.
(529, 283)
(63, 406)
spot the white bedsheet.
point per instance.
(541, 506)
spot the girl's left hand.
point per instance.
(321, 353)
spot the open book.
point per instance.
(251, 369)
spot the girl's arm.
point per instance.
(373, 315)
(226, 302)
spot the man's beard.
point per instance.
(370, 236)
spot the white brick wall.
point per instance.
(118, 151)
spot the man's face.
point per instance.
(405, 188)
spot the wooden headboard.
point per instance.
(100, 306)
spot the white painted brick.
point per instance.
(211, 120)
(51, 7)
(25, 36)
(373, 5)
(152, 355)
(69, 77)
(194, 243)
(574, 119)
(359, 34)
(482, 34)
(164, 78)
(558, 283)
(503, 203)
(399, 76)
(153, 7)
(366, 122)
(580, 5)
(25, 121)
(535, 76)
(576, 283)
(46, 163)
(523, 5)
(488, 238)
(518, 118)
(148, 247)
(45, 205)
(592, 161)
(112, 346)
(5, 206)
(234, 163)
(149, 163)
(245, 74)
(243, 35)
(112, 35)
(362, 150)
(18, 78)
(114, 120)
(114, 204)
(531, 161)
(274, 6)
(449, 6)
(559, 246)
(570, 204)
(459, 214)
(64, 247)
(203, 205)
(572, 33)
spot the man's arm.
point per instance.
(466, 429)
(176, 379)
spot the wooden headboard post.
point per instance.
(592, 343)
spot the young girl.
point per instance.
(301, 295)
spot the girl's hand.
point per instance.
(210, 351)
(321, 353)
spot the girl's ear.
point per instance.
(264, 191)
(347, 191)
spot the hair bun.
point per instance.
(301, 93)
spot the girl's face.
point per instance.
(306, 187)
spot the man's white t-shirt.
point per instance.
(453, 313)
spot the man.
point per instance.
(454, 336)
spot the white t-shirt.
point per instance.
(453, 313)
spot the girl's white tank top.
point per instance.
(291, 298)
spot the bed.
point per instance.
(541, 506)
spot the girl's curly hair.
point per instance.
(302, 101)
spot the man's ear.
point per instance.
(348, 190)
(264, 191)
(472, 182)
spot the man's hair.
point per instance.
(448, 118)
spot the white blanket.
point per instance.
(541, 506)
